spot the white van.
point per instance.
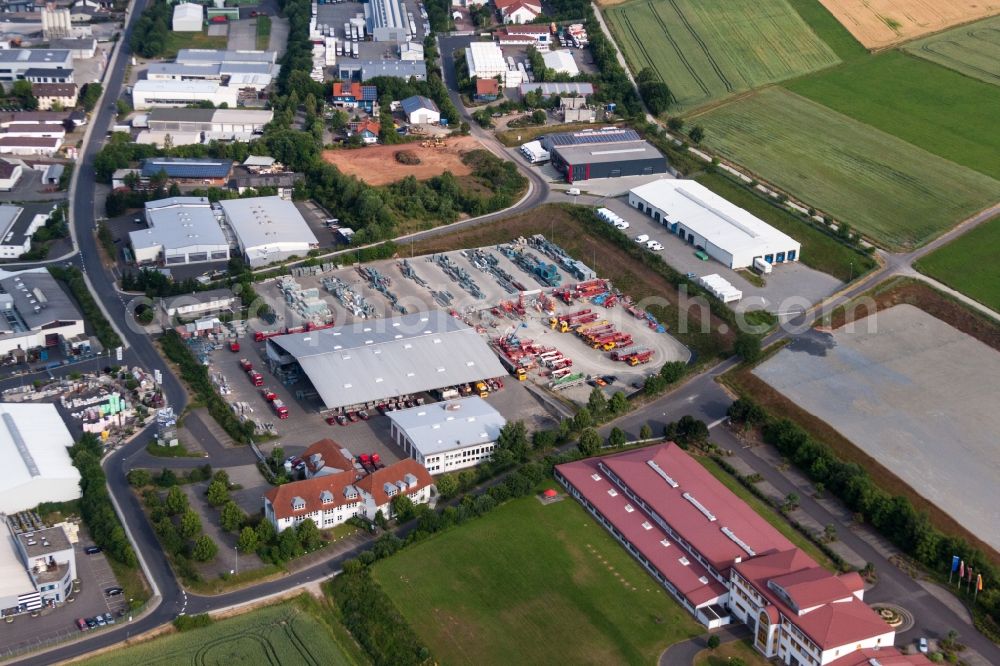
(573, 191)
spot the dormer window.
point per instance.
(298, 504)
(326, 497)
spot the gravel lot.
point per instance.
(914, 393)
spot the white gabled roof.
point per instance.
(704, 212)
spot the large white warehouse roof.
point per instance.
(443, 426)
(268, 226)
(36, 464)
(384, 358)
(712, 217)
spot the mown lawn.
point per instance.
(291, 632)
(192, 40)
(533, 584)
(829, 29)
(928, 105)
(819, 250)
(724, 654)
(892, 191)
(706, 51)
(969, 264)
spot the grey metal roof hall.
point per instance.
(417, 102)
(443, 426)
(379, 359)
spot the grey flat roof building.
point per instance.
(380, 359)
(182, 230)
(369, 69)
(268, 229)
(28, 290)
(450, 425)
(215, 57)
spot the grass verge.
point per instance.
(969, 264)
(820, 249)
(263, 32)
(178, 451)
(578, 596)
(175, 41)
(726, 653)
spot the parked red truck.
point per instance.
(279, 408)
(256, 378)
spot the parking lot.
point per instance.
(58, 625)
(337, 14)
(789, 289)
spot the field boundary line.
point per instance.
(701, 43)
(680, 54)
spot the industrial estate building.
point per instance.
(188, 17)
(376, 361)
(17, 226)
(450, 435)
(720, 559)
(420, 110)
(387, 20)
(254, 76)
(365, 70)
(148, 94)
(50, 94)
(337, 489)
(36, 313)
(268, 229)
(10, 173)
(37, 568)
(47, 65)
(201, 170)
(610, 152)
(548, 89)
(37, 468)
(193, 126)
(222, 57)
(561, 62)
(182, 230)
(200, 303)
(486, 61)
(700, 217)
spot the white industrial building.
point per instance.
(445, 436)
(36, 313)
(199, 303)
(212, 122)
(182, 230)
(702, 218)
(148, 94)
(37, 567)
(16, 230)
(720, 287)
(337, 489)
(534, 152)
(420, 110)
(255, 76)
(188, 17)
(268, 229)
(411, 51)
(486, 61)
(387, 20)
(37, 467)
(10, 173)
(561, 62)
(219, 57)
(55, 65)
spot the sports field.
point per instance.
(928, 105)
(882, 23)
(533, 584)
(973, 50)
(282, 634)
(969, 264)
(890, 190)
(707, 50)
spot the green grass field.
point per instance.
(829, 29)
(706, 51)
(281, 634)
(897, 193)
(969, 264)
(928, 105)
(973, 50)
(533, 584)
(820, 251)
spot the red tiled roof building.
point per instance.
(721, 560)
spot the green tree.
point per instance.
(309, 535)
(247, 543)
(539, 117)
(543, 440)
(231, 516)
(655, 93)
(514, 438)
(597, 403)
(167, 478)
(217, 494)
(675, 123)
(265, 532)
(289, 546)
(617, 438)
(204, 549)
(713, 642)
(747, 347)
(590, 442)
(402, 508)
(447, 485)
(381, 520)
(646, 431)
(672, 371)
(619, 403)
(691, 430)
(176, 501)
(139, 478)
(22, 91)
(583, 419)
(190, 525)
(697, 133)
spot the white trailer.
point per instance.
(354, 51)
(720, 287)
(762, 266)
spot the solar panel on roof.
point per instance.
(584, 138)
(369, 93)
(181, 168)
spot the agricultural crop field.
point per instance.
(281, 634)
(707, 51)
(532, 584)
(882, 23)
(973, 50)
(897, 193)
(969, 264)
(928, 105)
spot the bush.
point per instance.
(92, 313)
(186, 622)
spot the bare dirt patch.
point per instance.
(879, 24)
(377, 165)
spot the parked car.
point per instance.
(622, 225)
(91, 622)
(923, 645)
(100, 621)
(81, 624)
(655, 246)
(113, 591)
(701, 255)
(92, 550)
(641, 238)
(109, 618)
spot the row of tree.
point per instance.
(96, 508)
(894, 516)
(92, 314)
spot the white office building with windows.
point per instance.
(700, 217)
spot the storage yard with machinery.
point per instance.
(421, 329)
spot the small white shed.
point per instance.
(188, 17)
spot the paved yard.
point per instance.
(917, 395)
